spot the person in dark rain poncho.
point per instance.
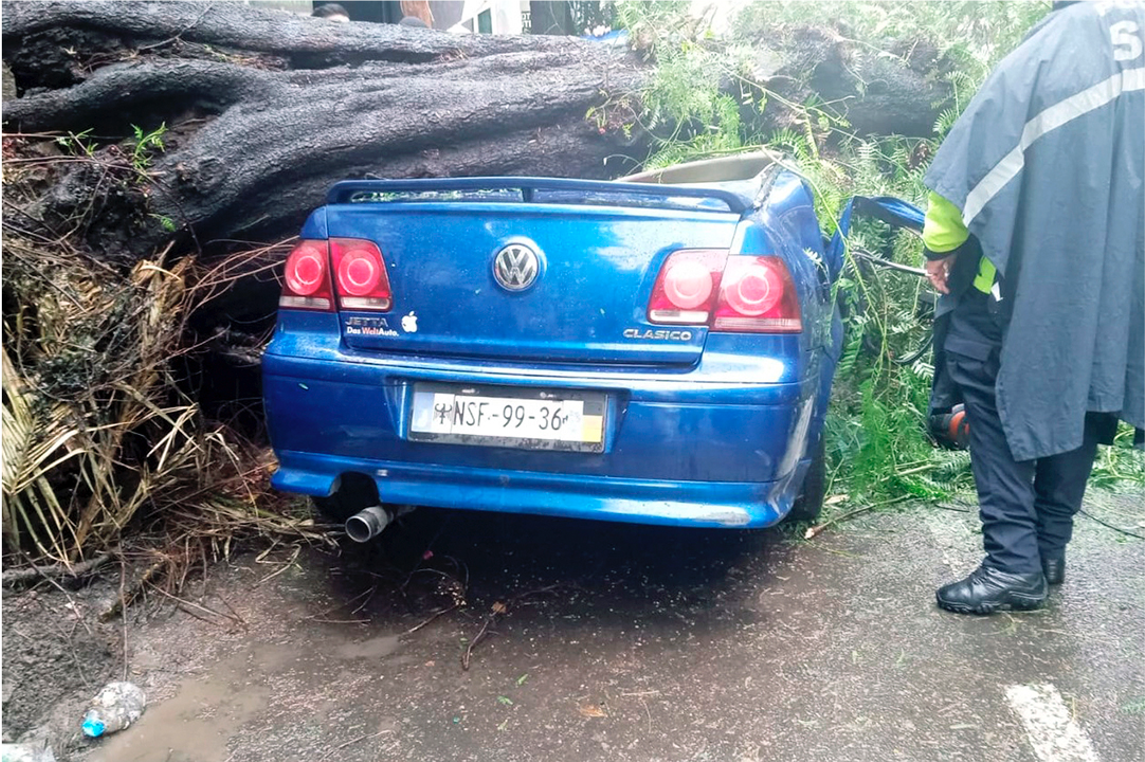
(1035, 234)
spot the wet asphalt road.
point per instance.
(637, 643)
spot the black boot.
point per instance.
(987, 590)
(1053, 566)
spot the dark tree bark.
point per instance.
(242, 27)
(266, 109)
(878, 94)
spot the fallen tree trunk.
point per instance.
(304, 42)
(264, 109)
(281, 138)
(254, 141)
(901, 91)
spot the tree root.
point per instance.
(19, 577)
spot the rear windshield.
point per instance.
(652, 201)
(489, 194)
(546, 196)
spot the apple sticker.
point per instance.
(409, 323)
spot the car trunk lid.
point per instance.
(544, 271)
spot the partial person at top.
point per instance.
(417, 13)
(331, 12)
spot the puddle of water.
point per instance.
(192, 726)
(198, 722)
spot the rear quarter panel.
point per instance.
(787, 226)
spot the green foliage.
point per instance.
(683, 98)
(78, 143)
(685, 92)
(1120, 464)
(662, 24)
(878, 445)
(145, 144)
(165, 222)
(972, 35)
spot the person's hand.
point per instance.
(938, 270)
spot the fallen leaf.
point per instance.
(499, 608)
(592, 710)
(836, 499)
(505, 700)
(521, 680)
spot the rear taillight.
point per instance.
(757, 295)
(360, 275)
(732, 294)
(686, 287)
(306, 281)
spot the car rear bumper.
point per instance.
(678, 449)
(642, 501)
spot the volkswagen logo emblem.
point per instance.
(516, 266)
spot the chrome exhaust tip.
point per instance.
(367, 523)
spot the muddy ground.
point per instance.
(602, 641)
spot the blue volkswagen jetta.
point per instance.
(656, 350)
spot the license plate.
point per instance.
(508, 417)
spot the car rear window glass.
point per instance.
(474, 194)
(544, 196)
(619, 198)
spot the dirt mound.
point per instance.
(55, 652)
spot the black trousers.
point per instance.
(1026, 507)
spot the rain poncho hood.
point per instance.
(1047, 165)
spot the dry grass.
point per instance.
(99, 432)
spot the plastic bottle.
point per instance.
(116, 707)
